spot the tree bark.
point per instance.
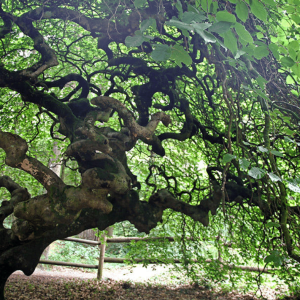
(56, 167)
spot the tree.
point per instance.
(175, 82)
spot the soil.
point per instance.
(120, 283)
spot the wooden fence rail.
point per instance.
(103, 259)
(129, 239)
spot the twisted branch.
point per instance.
(18, 194)
(144, 133)
(15, 148)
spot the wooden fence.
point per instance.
(103, 259)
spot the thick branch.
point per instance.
(18, 194)
(44, 212)
(82, 147)
(146, 215)
(145, 133)
(82, 83)
(236, 193)
(92, 25)
(165, 199)
(187, 128)
(15, 148)
(111, 176)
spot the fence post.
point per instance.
(102, 252)
(101, 258)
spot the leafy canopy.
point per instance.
(180, 112)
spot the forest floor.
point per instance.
(127, 283)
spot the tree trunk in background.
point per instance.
(89, 234)
(54, 163)
(110, 232)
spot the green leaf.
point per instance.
(185, 33)
(136, 40)
(262, 149)
(214, 7)
(274, 49)
(288, 131)
(296, 19)
(148, 23)
(258, 9)
(286, 118)
(287, 139)
(244, 163)
(274, 177)
(225, 16)
(228, 158)
(161, 53)
(139, 3)
(270, 2)
(243, 33)
(179, 25)
(208, 37)
(293, 45)
(178, 5)
(199, 28)
(256, 173)
(293, 185)
(260, 52)
(272, 224)
(205, 4)
(220, 27)
(180, 56)
(261, 94)
(241, 11)
(190, 16)
(290, 9)
(287, 62)
(275, 258)
(230, 41)
(276, 153)
(193, 9)
(293, 54)
(238, 54)
(296, 69)
(261, 81)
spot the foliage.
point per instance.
(181, 117)
(74, 252)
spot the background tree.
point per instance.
(162, 84)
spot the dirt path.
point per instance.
(135, 274)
